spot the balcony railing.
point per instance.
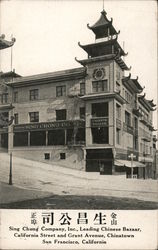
(99, 122)
(76, 143)
(127, 128)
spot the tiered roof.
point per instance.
(148, 104)
(132, 84)
(106, 44)
(103, 27)
(4, 43)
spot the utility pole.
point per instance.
(132, 156)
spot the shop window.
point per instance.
(47, 156)
(34, 94)
(100, 109)
(62, 156)
(60, 91)
(56, 137)
(16, 119)
(20, 139)
(37, 138)
(61, 114)
(82, 88)
(34, 116)
(100, 86)
(82, 113)
(100, 135)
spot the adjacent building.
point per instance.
(92, 118)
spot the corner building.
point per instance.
(91, 118)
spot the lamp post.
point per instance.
(132, 156)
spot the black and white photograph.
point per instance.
(78, 111)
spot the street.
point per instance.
(46, 180)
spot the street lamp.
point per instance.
(132, 157)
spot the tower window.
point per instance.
(100, 86)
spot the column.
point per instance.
(46, 137)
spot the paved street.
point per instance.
(47, 180)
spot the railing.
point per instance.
(99, 122)
(76, 143)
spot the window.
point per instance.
(82, 113)
(127, 118)
(62, 156)
(118, 137)
(135, 142)
(47, 156)
(100, 86)
(4, 98)
(56, 137)
(33, 94)
(118, 111)
(34, 116)
(15, 96)
(15, 118)
(100, 135)
(37, 138)
(60, 91)
(117, 87)
(100, 109)
(20, 139)
(61, 114)
(82, 88)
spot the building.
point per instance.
(92, 118)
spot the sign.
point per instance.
(49, 125)
(99, 122)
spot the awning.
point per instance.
(128, 163)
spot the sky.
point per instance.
(47, 34)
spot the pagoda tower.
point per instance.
(103, 83)
(106, 46)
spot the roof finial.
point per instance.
(103, 5)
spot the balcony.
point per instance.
(99, 122)
(127, 128)
(75, 143)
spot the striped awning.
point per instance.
(126, 163)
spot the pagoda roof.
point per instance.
(88, 47)
(148, 104)
(4, 43)
(132, 84)
(9, 74)
(115, 57)
(102, 23)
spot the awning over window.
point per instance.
(128, 163)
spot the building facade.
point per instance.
(91, 118)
